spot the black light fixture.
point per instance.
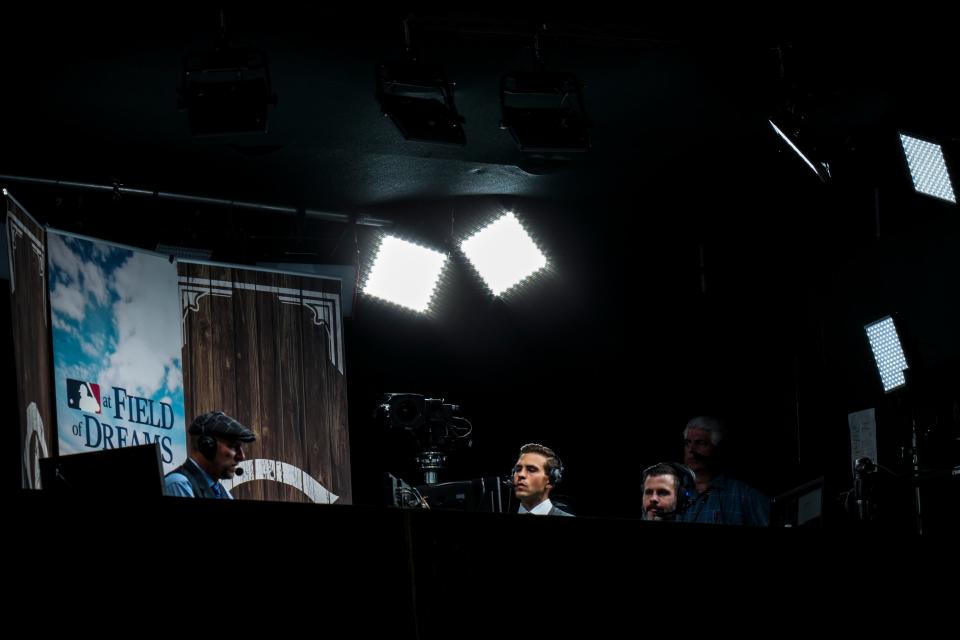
(419, 99)
(791, 118)
(544, 110)
(794, 129)
(227, 89)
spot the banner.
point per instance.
(142, 343)
(26, 255)
(116, 348)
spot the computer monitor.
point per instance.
(129, 472)
(479, 494)
(799, 507)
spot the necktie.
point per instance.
(218, 491)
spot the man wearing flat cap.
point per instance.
(216, 448)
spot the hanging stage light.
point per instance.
(418, 99)
(227, 89)
(544, 112)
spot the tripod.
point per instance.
(863, 470)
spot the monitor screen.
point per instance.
(129, 472)
(799, 507)
(479, 494)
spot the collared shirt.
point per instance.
(542, 509)
(729, 501)
(177, 484)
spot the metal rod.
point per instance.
(327, 216)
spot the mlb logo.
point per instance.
(84, 396)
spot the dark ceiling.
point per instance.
(93, 97)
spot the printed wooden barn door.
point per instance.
(267, 348)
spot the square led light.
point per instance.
(888, 353)
(405, 274)
(503, 253)
(928, 168)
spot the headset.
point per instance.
(686, 483)
(206, 444)
(556, 473)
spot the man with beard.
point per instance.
(216, 448)
(668, 491)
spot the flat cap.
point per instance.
(217, 423)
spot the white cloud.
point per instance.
(63, 325)
(62, 256)
(102, 251)
(93, 347)
(174, 379)
(76, 279)
(68, 300)
(136, 366)
(147, 320)
(78, 372)
(95, 282)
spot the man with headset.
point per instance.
(216, 448)
(537, 471)
(668, 490)
(721, 499)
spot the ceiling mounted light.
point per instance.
(418, 98)
(227, 89)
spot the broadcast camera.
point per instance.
(431, 423)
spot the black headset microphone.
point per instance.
(665, 515)
(206, 443)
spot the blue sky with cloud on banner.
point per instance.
(116, 323)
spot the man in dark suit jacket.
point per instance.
(537, 471)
